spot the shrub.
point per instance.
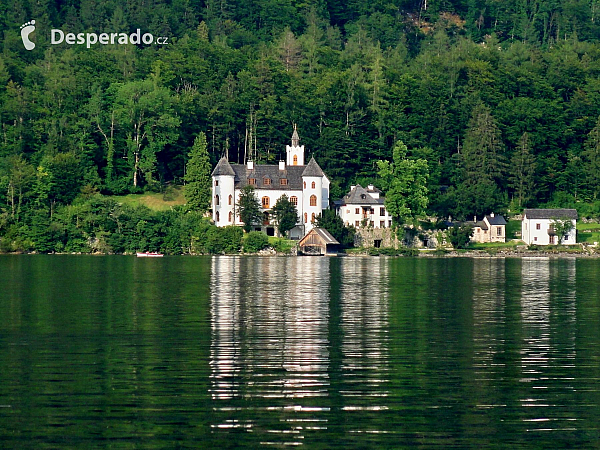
(255, 241)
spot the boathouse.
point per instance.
(318, 241)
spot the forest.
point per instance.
(500, 97)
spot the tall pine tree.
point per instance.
(197, 176)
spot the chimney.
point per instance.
(250, 165)
(281, 165)
(352, 187)
(370, 187)
(474, 218)
(492, 215)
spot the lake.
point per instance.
(226, 352)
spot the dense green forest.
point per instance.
(502, 98)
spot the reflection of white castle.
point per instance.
(306, 186)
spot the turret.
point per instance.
(313, 180)
(295, 152)
(223, 194)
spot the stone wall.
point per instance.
(366, 237)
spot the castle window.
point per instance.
(357, 211)
(265, 202)
(283, 181)
(313, 200)
(357, 223)
(537, 226)
(230, 216)
(305, 217)
(382, 224)
(294, 200)
(312, 218)
(313, 185)
(217, 216)
(305, 185)
(230, 200)
(216, 182)
(252, 181)
(266, 181)
(295, 160)
(216, 200)
(382, 211)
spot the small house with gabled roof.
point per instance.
(306, 186)
(538, 228)
(364, 207)
(492, 228)
(318, 241)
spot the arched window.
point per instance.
(305, 185)
(312, 218)
(217, 200)
(294, 200)
(313, 185)
(230, 200)
(230, 216)
(217, 216)
(305, 217)
(313, 200)
(265, 202)
(295, 160)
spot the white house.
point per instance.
(364, 207)
(306, 186)
(537, 226)
(491, 229)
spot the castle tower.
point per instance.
(312, 194)
(223, 194)
(295, 152)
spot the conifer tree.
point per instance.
(522, 171)
(197, 176)
(591, 157)
(248, 207)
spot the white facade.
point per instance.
(364, 207)
(306, 186)
(537, 228)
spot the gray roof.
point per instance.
(496, 220)
(360, 196)
(550, 213)
(313, 169)
(223, 168)
(261, 171)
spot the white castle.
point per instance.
(306, 186)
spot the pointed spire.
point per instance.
(223, 168)
(313, 169)
(295, 137)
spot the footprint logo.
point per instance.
(26, 30)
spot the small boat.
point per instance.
(149, 255)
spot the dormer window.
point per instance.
(283, 181)
(252, 181)
(363, 196)
(266, 181)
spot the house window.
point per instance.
(499, 231)
(305, 217)
(566, 238)
(252, 181)
(283, 181)
(265, 202)
(312, 218)
(313, 185)
(313, 200)
(216, 182)
(390, 224)
(382, 224)
(294, 200)
(230, 216)
(535, 238)
(357, 211)
(382, 211)
(230, 199)
(266, 181)
(216, 200)
(217, 216)
(525, 225)
(371, 224)
(356, 224)
(295, 160)
(538, 226)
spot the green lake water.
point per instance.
(227, 352)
